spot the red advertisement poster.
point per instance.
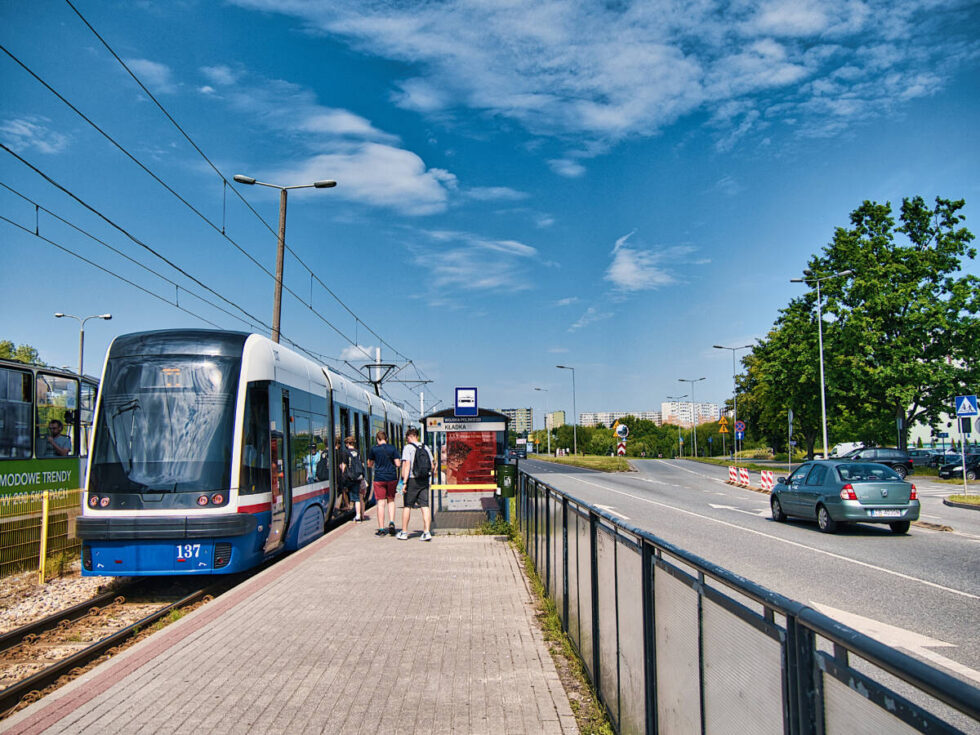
(470, 457)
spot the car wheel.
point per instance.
(777, 510)
(971, 474)
(902, 472)
(899, 526)
(826, 523)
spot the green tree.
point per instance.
(904, 340)
(22, 353)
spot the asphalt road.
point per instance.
(919, 592)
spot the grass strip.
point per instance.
(590, 462)
(966, 499)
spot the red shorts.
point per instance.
(385, 489)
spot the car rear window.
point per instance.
(866, 473)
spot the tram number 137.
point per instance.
(188, 551)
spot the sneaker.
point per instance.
(391, 529)
(426, 536)
(381, 532)
(402, 536)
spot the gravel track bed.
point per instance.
(23, 600)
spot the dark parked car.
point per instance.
(843, 491)
(955, 468)
(922, 457)
(896, 459)
(940, 457)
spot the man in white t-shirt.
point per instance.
(416, 490)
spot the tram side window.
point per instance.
(15, 414)
(255, 473)
(321, 435)
(303, 464)
(57, 402)
(85, 418)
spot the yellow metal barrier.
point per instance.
(38, 527)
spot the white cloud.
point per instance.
(154, 75)
(567, 167)
(366, 162)
(377, 174)
(591, 316)
(635, 269)
(221, 76)
(463, 260)
(206, 89)
(609, 71)
(567, 301)
(26, 133)
(358, 353)
(496, 193)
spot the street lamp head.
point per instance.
(105, 316)
(796, 280)
(244, 179)
(563, 367)
(807, 272)
(719, 347)
(58, 315)
(845, 273)
(325, 184)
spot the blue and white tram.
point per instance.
(205, 451)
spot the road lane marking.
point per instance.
(895, 637)
(841, 557)
(759, 513)
(610, 510)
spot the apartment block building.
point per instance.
(608, 418)
(685, 413)
(521, 419)
(554, 419)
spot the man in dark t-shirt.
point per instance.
(383, 458)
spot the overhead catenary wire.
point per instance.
(200, 214)
(225, 181)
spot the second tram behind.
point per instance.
(205, 451)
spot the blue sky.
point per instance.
(610, 185)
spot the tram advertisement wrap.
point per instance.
(33, 476)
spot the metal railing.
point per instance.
(36, 527)
(674, 644)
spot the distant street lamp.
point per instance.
(809, 278)
(280, 251)
(574, 409)
(81, 334)
(546, 429)
(694, 411)
(680, 444)
(734, 393)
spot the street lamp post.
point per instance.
(280, 250)
(694, 411)
(546, 429)
(808, 278)
(574, 410)
(680, 444)
(81, 334)
(734, 393)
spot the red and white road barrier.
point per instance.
(733, 475)
(743, 476)
(768, 480)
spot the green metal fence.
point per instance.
(37, 530)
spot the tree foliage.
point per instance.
(21, 353)
(900, 332)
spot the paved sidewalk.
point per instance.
(296, 649)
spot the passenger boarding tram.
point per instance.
(205, 452)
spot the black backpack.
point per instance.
(323, 468)
(422, 464)
(355, 468)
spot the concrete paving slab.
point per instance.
(355, 633)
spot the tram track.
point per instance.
(75, 638)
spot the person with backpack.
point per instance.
(351, 475)
(417, 468)
(383, 459)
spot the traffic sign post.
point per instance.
(966, 407)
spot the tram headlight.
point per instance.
(104, 502)
(202, 500)
(217, 499)
(93, 501)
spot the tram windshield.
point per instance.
(165, 424)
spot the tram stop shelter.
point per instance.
(467, 449)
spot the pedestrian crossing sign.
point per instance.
(966, 405)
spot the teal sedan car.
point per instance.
(833, 492)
